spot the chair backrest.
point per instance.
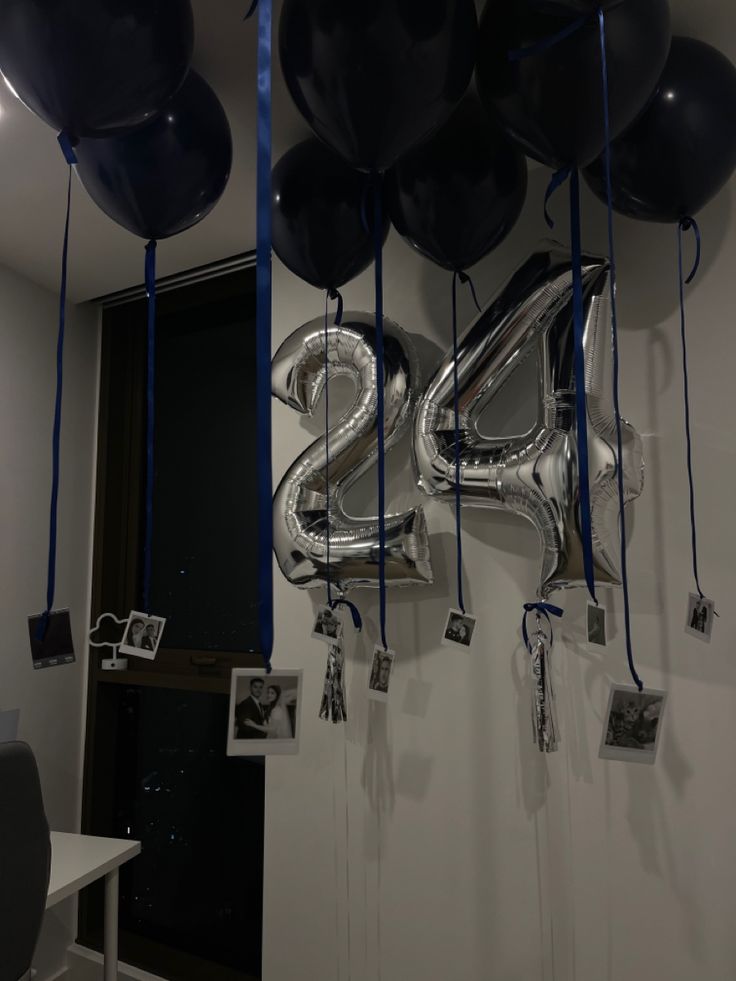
(25, 859)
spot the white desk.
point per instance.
(78, 860)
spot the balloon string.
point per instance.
(380, 421)
(56, 436)
(685, 225)
(263, 337)
(458, 477)
(580, 395)
(616, 367)
(150, 419)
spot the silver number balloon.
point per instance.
(535, 474)
(301, 521)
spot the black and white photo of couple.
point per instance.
(263, 712)
(327, 625)
(459, 629)
(142, 635)
(699, 621)
(378, 683)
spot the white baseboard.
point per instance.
(86, 965)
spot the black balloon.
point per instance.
(93, 67)
(317, 203)
(456, 196)
(164, 177)
(551, 102)
(373, 77)
(682, 150)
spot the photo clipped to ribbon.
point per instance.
(539, 645)
(49, 648)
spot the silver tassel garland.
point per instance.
(544, 726)
(334, 706)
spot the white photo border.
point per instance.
(380, 651)
(623, 753)
(692, 600)
(264, 747)
(600, 610)
(321, 637)
(138, 651)
(446, 642)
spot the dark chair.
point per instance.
(25, 859)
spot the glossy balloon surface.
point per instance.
(374, 77)
(93, 67)
(535, 474)
(317, 202)
(164, 177)
(456, 196)
(551, 102)
(682, 150)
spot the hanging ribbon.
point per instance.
(586, 530)
(464, 278)
(380, 416)
(614, 346)
(67, 149)
(150, 276)
(333, 602)
(688, 224)
(263, 336)
(544, 727)
(517, 54)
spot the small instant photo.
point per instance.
(57, 646)
(383, 662)
(142, 635)
(459, 629)
(633, 724)
(595, 625)
(327, 625)
(264, 712)
(700, 613)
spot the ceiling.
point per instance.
(103, 257)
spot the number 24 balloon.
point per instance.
(534, 474)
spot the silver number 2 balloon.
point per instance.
(535, 474)
(301, 519)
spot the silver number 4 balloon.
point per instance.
(301, 519)
(535, 474)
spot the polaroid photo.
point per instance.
(265, 711)
(595, 625)
(378, 683)
(699, 621)
(633, 724)
(327, 626)
(459, 630)
(57, 646)
(142, 635)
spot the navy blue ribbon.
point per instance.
(541, 609)
(263, 337)
(332, 602)
(518, 54)
(614, 346)
(380, 416)
(464, 278)
(586, 531)
(686, 224)
(150, 419)
(71, 159)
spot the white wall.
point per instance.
(429, 839)
(51, 701)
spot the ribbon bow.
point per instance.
(545, 609)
